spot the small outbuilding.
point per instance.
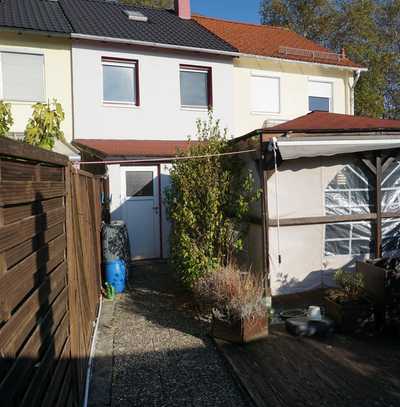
(331, 196)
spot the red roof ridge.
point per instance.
(274, 27)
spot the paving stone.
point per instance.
(160, 355)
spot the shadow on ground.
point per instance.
(161, 354)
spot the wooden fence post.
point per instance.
(72, 281)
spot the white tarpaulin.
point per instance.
(316, 146)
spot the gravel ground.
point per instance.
(161, 353)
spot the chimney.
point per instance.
(182, 8)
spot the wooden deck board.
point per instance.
(283, 370)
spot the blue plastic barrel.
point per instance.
(115, 274)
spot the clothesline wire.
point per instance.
(165, 159)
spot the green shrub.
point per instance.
(6, 119)
(206, 202)
(351, 283)
(44, 127)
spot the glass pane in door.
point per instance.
(139, 183)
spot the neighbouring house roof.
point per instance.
(324, 122)
(35, 15)
(271, 41)
(108, 19)
(133, 148)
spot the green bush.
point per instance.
(44, 127)
(351, 283)
(6, 119)
(207, 202)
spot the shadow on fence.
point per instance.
(49, 286)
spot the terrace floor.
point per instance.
(287, 371)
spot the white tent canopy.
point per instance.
(315, 146)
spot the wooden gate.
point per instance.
(50, 218)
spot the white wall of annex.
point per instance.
(304, 265)
(294, 79)
(159, 116)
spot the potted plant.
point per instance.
(237, 302)
(348, 304)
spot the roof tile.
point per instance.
(325, 122)
(107, 19)
(134, 148)
(265, 40)
(36, 15)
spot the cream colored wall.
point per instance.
(300, 193)
(294, 90)
(57, 57)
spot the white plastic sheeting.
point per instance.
(350, 192)
(391, 203)
(298, 147)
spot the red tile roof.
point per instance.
(133, 148)
(270, 41)
(317, 122)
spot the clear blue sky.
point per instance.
(239, 10)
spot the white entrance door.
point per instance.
(140, 203)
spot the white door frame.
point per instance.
(156, 202)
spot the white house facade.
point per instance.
(157, 98)
(141, 80)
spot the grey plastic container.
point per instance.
(115, 241)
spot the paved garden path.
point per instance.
(152, 352)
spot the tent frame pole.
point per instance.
(265, 221)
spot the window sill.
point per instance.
(23, 102)
(259, 113)
(194, 109)
(121, 105)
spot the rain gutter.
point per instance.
(153, 44)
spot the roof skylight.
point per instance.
(136, 15)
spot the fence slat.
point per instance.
(12, 193)
(50, 279)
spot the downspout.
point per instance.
(352, 88)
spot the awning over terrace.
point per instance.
(315, 146)
(327, 134)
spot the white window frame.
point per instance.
(206, 70)
(128, 64)
(263, 112)
(331, 97)
(26, 52)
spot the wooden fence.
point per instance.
(50, 218)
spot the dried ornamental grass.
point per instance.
(231, 294)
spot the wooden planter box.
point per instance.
(348, 316)
(242, 331)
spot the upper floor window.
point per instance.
(196, 87)
(120, 81)
(319, 96)
(22, 77)
(265, 94)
